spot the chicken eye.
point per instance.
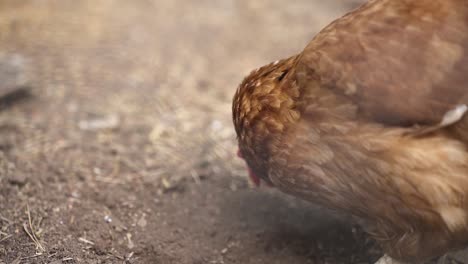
(281, 77)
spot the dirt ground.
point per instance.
(120, 148)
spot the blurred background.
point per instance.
(116, 139)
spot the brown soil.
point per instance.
(120, 149)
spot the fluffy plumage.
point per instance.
(362, 121)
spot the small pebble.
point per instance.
(108, 219)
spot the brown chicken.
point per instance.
(369, 120)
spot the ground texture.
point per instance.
(119, 147)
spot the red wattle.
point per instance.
(256, 181)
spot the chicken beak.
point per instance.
(254, 179)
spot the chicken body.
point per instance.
(369, 120)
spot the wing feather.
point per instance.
(402, 62)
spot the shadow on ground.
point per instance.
(124, 151)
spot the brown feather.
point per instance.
(401, 62)
(333, 124)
